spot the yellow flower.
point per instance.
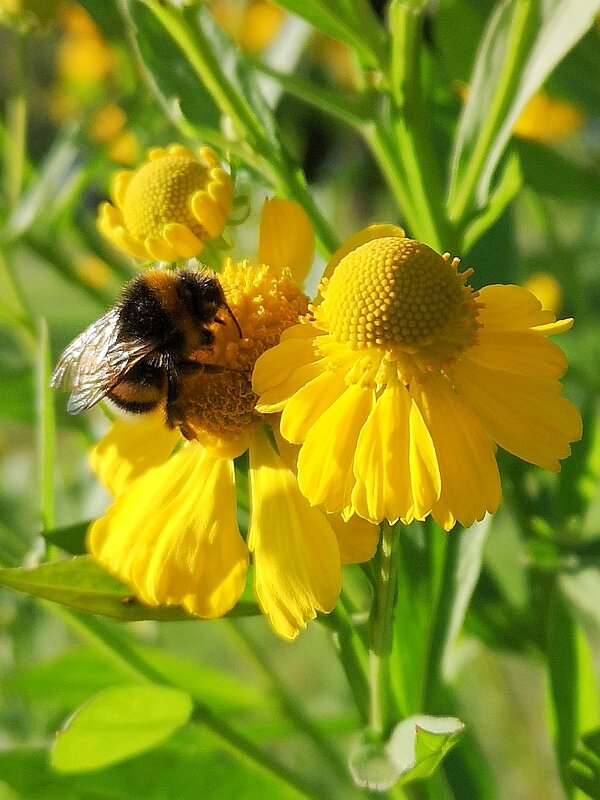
(83, 56)
(172, 532)
(106, 127)
(253, 24)
(547, 119)
(170, 206)
(402, 381)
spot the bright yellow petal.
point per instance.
(519, 353)
(367, 234)
(276, 365)
(296, 556)
(524, 414)
(308, 404)
(173, 535)
(470, 483)
(325, 461)
(357, 538)
(286, 238)
(510, 308)
(185, 243)
(131, 447)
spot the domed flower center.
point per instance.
(160, 193)
(216, 404)
(399, 295)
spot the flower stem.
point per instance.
(16, 133)
(381, 632)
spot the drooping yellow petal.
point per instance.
(131, 447)
(173, 536)
(277, 364)
(325, 461)
(305, 407)
(524, 414)
(470, 483)
(286, 238)
(357, 538)
(296, 556)
(378, 231)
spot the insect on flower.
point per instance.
(139, 353)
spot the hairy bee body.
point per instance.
(138, 352)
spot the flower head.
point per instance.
(403, 379)
(253, 24)
(172, 533)
(548, 119)
(170, 206)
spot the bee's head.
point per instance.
(201, 295)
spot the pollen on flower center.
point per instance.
(160, 192)
(400, 295)
(218, 401)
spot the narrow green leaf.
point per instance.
(119, 723)
(413, 751)
(80, 583)
(584, 767)
(528, 47)
(46, 428)
(70, 538)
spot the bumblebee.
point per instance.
(138, 353)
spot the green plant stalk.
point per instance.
(293, 710)
(352, 656)
(461, 198)
(46, 431)
(16, 132)
(287, 176)
(410, 129)
(380, 700)
(116, 647)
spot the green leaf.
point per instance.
(171, 72)
(16, 398)
(550, 173)
(518, 51)
(584, 767)
(413, 751)
(82, 584)
(72, 678)
(192, 763)
(70, 538)
(119, 723)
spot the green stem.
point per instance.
(411, 130)
(47, 430)
(286, 175)
(381, 632)
(294, 712)
(462, 193)
(352, 656)
(16, 133)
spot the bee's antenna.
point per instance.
(235, 322)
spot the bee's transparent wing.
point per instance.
(95, 361)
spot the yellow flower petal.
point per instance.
(378, 231)
(510, 308)
(325, 460)
(307, 405)
(357, 538)
(286, 238)
(514, 353)
(173, 536)
(524, 414)
(470, 483)
(131, 447)
(277, 365)
(182, 240)
(296, 557)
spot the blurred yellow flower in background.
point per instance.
(169, 206)
(547, 119)
(253, 24)
(106, 127)
(83, 56)
(403, 380)
(547, 290)
(172, 532)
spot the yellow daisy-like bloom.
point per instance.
(402, 381)
(170, 206)
(172, 533)
(253, 24)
